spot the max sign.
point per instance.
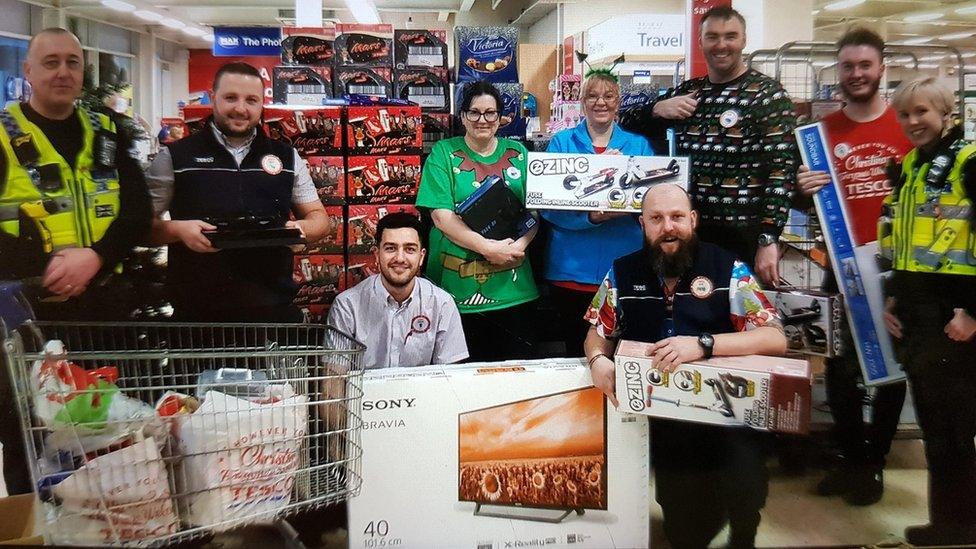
(233, 41)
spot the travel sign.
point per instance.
(235, 41)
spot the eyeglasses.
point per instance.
(474, 116)
(608, 99)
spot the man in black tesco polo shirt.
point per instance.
(232, 170)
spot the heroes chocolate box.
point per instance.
(420, 48)
(364, 45)
(384, 130)
(428, 88)
(313, 131)
(361, 233)
(487, 53)
(308, 46)
(301, 85)
(382, 179)
(363, 81)
(762, 392)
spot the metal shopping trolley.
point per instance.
(147, 434)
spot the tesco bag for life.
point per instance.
(117, 497)
(241, 456)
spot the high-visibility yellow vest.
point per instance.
(927, 229)
(73, 212)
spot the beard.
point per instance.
(225, 129)
(863, 98)
(675, 264)
(398, 281)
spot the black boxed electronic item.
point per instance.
(420, 48)
(308, 46)
(309, 86)
(363, 81)
(487, 53)
(812, 320)
(251, 232)
(429, 88)
(494, 212)
(364, 45)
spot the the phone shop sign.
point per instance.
(637, 34)
(234, 41)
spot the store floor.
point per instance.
(793, 517)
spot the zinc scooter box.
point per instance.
(762, 392)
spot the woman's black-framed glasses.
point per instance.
(474, 116)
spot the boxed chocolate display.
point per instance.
(429, 88)
(309, 46)
(334, 241)
(812, 320)
(437, 126)
(196, 116)
(420, 48)
(499, 455)
(364, 45)
(361, 233)
(319, 278)
(313, 131)
(363, 81)
(315, 314)
(302, 85)
(763, 392)
(384, 130)
(487, 53)
(359, 268)
(597, 182)
(328, 175)
(382, 179)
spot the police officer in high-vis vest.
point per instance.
(232, 170)
(926, 232)
(73, 202)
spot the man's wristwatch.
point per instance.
(766, 239)
(707, 343)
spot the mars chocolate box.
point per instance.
(319, 278)
(384, 130)
(308, 46)
(196, 116)
(420, 48)
(313, 131)
(334, 242)
(363, 81)
(364, 45)
(428, 88)
(382, 179)
(328, 175)
(359, 268)
(361, 233)
(762, 392)
(487, 53)
(437, 126)
(302, 85)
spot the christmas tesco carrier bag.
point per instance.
(487, 53)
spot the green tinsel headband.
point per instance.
(601, 71)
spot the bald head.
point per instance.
(667, 218)
(55, 68)
(665, 193)
(51, 32)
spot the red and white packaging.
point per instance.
(376, 81)
(333, 242)
(313, 131)
(328, 174)
(315, 314)
(324, 270)
(763, 392)
(195, 116)
(382, 179)
(387, 129)
(176, 129)
(310, 46)
(361, 233)
(360, 268)
(364, 45)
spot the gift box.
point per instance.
(568, 87)
(363, 81)
(420, 48)
(313, 131)
(382, 179)
(308, 46)
(361, 233)
(359, 268)
(384, 130)
(196, 116)
(319, 277)
(302, 85)
(812, 320)
(429, 88)
(761, 392)
(172, 129)
(315, 314)
(513, 454)
(328, 175)
(487, 53)
(364, 45)
(334, 241)
(437, 126)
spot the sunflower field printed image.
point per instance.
(548, 451)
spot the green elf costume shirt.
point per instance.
(452, 173)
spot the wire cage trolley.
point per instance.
(152, 434)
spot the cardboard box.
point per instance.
(565, 115)
(479, 455)
(315, 314)
(568, 87)
(359, 268)
(429, 88)
(309, 46)
(382, 179)
(636, 95)
(18, 521)
(364, 45)
(437, 126)
(597, 182)
(313, 131)
(335, 241)
(328, 174)
(363, 81)
(388, 129)
(196, 116)
(762, 392)
(420, 48)
(319, 278)
(486, 53)
(176, 129)
(813, 320)
(361, 233)
(310, 86)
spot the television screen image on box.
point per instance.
(546, 452)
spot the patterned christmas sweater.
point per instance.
(740, 140)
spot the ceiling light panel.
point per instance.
(118, 5)
(923, 17)
(843, 4)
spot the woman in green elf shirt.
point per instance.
(491, 280)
